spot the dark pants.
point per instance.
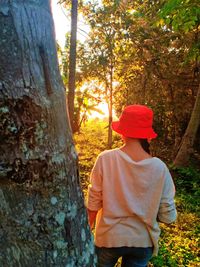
(131, 256)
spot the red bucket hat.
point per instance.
(136, 122)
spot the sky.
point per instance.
(62, 24)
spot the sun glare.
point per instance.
(62, 22)
(103, 107)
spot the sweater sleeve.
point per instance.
(167, 209)
(94, 201)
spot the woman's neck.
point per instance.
(133, 148)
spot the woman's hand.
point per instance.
(91, 217)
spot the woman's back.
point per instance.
(130, 196)
(130, 192)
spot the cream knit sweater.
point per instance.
(131, 197)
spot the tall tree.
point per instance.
(42, 217)
(72, 61)
(185, 17)
(104, 19)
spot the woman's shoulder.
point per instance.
(159, 163)
(109, 152)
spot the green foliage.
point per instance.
(188, 189)
(181, 15)
(178, 241)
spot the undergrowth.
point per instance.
(179, 242)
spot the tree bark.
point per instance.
(42, 216)
(186, 148)
(72, 62)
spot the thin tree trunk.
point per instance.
(186, 148)
(110, 109)
(42, 217)
(72, 61)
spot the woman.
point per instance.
(130, 192)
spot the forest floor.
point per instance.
(179, 242)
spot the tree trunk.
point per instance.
(42, 216)
(186, 148)
(72, 62)
(110, 109)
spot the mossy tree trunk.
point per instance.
(42, 216)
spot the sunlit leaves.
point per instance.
(181, 15)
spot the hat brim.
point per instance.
(130, 131)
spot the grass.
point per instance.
(179, 242)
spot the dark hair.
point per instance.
(145, 145)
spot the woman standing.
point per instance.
(130, 192)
